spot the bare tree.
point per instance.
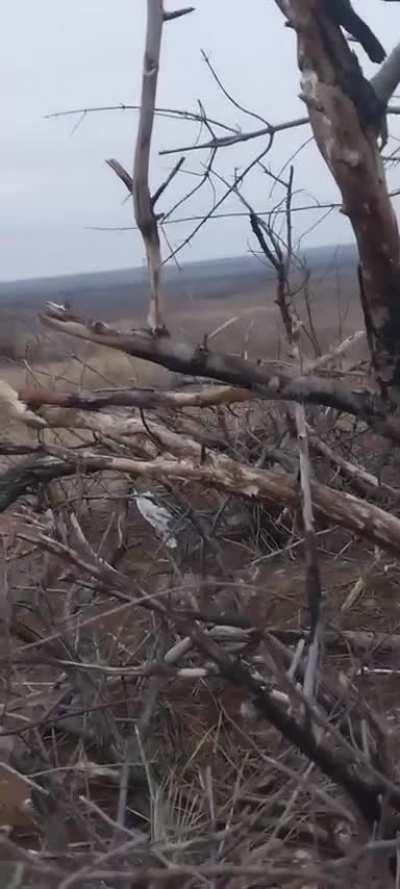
(144, 202)
(298, 471)
(346, 112)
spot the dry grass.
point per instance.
(138, 774)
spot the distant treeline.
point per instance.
(115, 292)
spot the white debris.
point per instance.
(157, 516)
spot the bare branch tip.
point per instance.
(177, 13)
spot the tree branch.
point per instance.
(161, 188)
(122, 174)
(92, 400)
(387, 79)
(217, 471)
(270, 380)
(227, 141)
(177, 13)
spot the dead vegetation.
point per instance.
(138, 661)
(199, 635)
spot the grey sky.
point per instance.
(54, 183)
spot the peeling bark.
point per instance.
(217, 471)
(346, 135)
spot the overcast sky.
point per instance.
(54, 183)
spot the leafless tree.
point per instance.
(336, 772)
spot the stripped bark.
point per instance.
(346, 134)
(215, 471)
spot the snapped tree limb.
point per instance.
(215, 471)
(268, 380)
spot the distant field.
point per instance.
(121, 291)
(198, 300)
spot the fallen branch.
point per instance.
(217, 471)
(366, 481)
(270, 380)
(366, 794)
(93, 400)
(360, 641)
(344, 764)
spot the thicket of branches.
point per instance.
(164, 722)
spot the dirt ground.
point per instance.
(248, 564)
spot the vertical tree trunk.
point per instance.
(143, 204)
(345, 115)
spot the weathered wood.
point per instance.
(144, 213)
(336, 96)
(216, 470)
(269, 380)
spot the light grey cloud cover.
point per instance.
(54, 183)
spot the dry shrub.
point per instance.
(203, 783)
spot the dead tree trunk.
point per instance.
(345, 115)
(143, 201)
